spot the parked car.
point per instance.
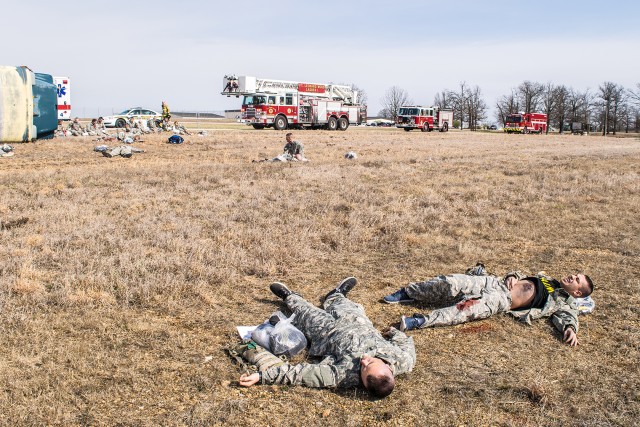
(119, 120)
(493, 127)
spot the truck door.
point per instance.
(320, 112)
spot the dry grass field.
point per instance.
(122, 280)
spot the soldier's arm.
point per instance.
(564, 318)
(515, 274)
(305, 374)
(408, 348)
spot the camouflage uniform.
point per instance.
(180, 129)
(101, 128)
(151, 124)
(134, 127)
(92, 128)
(292, 148)
(490, 295)
(341, 334)
(123, 150)
(75, 128)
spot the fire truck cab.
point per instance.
(284, 104)
(526, 123)
(424, 118)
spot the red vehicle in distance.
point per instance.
(526, 123)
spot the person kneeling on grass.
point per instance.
(293, 150)
(477, 297)
(354, 353)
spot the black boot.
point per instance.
(343, 287)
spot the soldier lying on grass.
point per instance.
(354, 352)
(480, 296)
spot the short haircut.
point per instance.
(381, 386)
(589, 289)
(289, 134)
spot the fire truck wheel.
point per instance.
(257, 126)
(280, 123)
(343, 123)
(426, 128)
(445, 127)
(332, 124)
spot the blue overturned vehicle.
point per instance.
(28, 105)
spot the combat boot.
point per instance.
(343, 287)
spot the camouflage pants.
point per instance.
(316, 323)
(473, 298)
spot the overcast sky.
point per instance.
(127, 53)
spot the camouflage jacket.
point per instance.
(560, 306)
(344, 347)
(293, 148)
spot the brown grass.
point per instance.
(120, 278)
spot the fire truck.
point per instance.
(286, 104)
(526, 123)
(424, 118)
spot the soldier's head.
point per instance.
(288, 136)
(94, 121)
(577, 285)
(376, 376)
(100, 120)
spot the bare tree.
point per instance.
(611, 96)
(634, 95)
(393, 99)
(587, 105)
(443, 100)
(530, 93)
(459, 102)
(548, 97)
(362, 94)
(476, 107)
(506, 105)
(561, 106)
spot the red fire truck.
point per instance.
(424, 118)
(284, 104)
(526, 123)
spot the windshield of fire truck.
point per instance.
(254, 100)
(408, 112)
(514, 118)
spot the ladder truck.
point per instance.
(283, 104)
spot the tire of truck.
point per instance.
(257, 126)
(425, 128)
(525, 131)
(120, 123)
(343, 123)
(280, 123)
(445, 127)
(407, 129)
(332, 124)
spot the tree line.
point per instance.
(609, 109)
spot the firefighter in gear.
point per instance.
(166, 114)
(353, 352)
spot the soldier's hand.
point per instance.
(570, 337)
(247, 380)
(390, 332)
